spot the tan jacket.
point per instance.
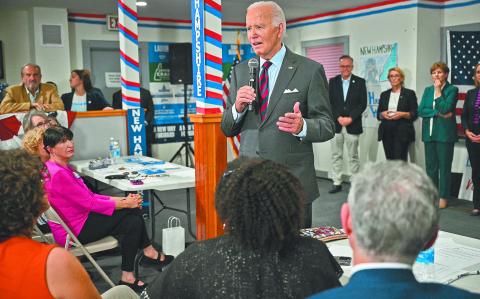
(17, 99)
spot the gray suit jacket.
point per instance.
(264, 140)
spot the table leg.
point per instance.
(152, 213)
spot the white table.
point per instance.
(174, 177)
(445, 241)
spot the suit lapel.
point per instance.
(285, 74)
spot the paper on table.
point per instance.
(440, 273)
(457, 257)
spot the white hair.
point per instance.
(394, 211)
(278, 16)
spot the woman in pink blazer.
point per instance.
(93, 216)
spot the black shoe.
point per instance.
(134, 286)
(335, 189)
(157, 263)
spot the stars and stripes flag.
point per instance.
(233, 141)
(463, 49)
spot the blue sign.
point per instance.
(137, 144)
(198, 50)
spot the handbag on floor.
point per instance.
(173, 237)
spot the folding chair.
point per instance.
(39, 236)
(78, 249)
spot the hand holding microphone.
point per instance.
(247, 93)
(252, 81)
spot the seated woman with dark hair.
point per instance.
(93, 216)
(84, 97)
(261, 254)
(29, 269)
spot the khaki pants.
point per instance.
(351, 142)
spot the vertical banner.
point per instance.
(207, 56)
(374, 63)
(129, 63)
(137, 144)
(198, 52)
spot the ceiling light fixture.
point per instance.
(141, 3)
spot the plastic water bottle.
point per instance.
(114, 150)
(424, 267)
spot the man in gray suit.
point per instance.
(292, 109)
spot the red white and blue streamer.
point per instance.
(129, 62)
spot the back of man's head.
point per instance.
(394, 212)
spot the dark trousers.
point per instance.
(438, 163)
(126, 223)
(395, 149)
(474, 156)
(308, 216)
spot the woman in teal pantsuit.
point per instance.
(439, 129)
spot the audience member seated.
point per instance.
(92, 216)
(34, 119)
(146, 102)
(84, 97)
(391, 215)
(31, 94)
(261, 254)
(29, 269)
(33, 144)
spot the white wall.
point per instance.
(16, 43)
(402, 30)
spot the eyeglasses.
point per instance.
(394, 76)
(43, 124)
(346, 66)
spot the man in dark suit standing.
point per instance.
(391, 215)
(146, 102)
(348, 98)
(292, 109)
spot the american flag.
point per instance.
(233, 141)
(463, 54)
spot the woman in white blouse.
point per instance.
(84, 97)
(397, 110)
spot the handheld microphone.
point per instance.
(252, 82)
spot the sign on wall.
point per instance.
(375, 61)
(168, 99)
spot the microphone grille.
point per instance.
(253, 63)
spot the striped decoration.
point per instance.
(212, 100)
(129, 62)
(328, 17)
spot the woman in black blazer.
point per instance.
(471, 124)
(84, 97)
(397, 110)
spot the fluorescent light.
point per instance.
(141, 3)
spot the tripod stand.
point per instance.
(189, 153)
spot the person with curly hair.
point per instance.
(33, 144)
(29, 269)
(261, 254)
(93, 216)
